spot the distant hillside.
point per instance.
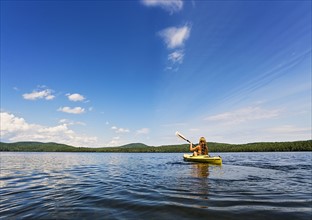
(134, 145)
(36, 147)
(142, 148)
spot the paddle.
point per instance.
(182, 137)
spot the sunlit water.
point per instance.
(155, 186)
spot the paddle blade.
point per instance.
(181, 136)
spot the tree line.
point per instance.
(141, 148)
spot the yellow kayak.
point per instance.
(203, 159)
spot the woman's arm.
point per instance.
(193, 148)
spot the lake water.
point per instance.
(155, 186)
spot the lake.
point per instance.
(155, 186)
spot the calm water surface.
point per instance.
(155, 186)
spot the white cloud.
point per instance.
(168, 5)
(15, 129)
(243, 115)
(120, 130)
(49, 97)
(36, 94)
(194, 129)
(286, 129)
(174, 124)
(114, 142)
(176, 56)
(63, 121)
(288, 133)
(143, 131)
(69, 122)
(175, 37)
(75, 97)
(75, 110)
(9, 123)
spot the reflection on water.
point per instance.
(201, 170)
(157, 186)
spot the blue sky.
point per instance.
(108, 73)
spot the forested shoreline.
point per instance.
(142, 148)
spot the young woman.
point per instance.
(201, 148)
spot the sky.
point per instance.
(109, 73)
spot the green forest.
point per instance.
(142, 148)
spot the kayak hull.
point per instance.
(203, 159)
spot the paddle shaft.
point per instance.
(182, 137)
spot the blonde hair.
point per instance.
(202, 139)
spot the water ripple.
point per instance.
(153, 186)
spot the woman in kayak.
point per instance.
(201, 148)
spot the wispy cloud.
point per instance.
(175, 37)
(114, 142)
(39, 94)
(287, 129)
(270, 74)
(143, 131)
(120, 130)
(75, 110)
(174, 125)
(70, 122)
(15, 128)
(244, 115)
(75, 97)
(168, 5)
(287, 133)
(176, 56)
